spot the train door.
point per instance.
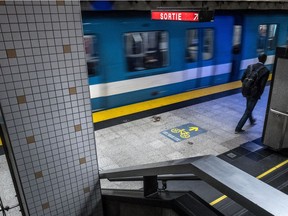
(95, 75)
(199, 57)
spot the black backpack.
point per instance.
(249, 84)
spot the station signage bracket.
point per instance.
(182, 15)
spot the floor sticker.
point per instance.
(183, 132)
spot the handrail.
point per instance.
(173, 177)
(279, 112)
(253, 194)
(180, 166)
(150, 172)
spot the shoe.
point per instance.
(239, 131)
(253, 122)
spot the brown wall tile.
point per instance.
(72, 90)
(11, 53)
(2, 2)
(66, 48)
(45, 205)
(86, 190)
(82, 160)
(21, 99)
(77, 127)
(30, 139)
(60, 2)
(38, 175)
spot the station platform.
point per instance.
(209, 125)
(205, 128)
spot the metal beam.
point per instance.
(181, 166)
(253, 194)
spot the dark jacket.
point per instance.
(263, 75)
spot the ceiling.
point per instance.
(196, 4)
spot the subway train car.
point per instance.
(131, 58)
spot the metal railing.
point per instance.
(253, 194)
(150, 174)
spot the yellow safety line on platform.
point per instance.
(156, 103)
(168, 100)
(0, 141)
(272, 169)
(258, 177)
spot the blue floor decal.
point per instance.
(183, 132)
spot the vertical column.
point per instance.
(275, 132)
(46, 105)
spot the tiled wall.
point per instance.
(46, 105)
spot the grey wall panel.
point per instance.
(276, 130)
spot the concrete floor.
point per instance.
(141, 141)
(7, 191)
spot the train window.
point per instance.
(208, 44)
(262, 31)
(192, 45)
(267, 37)
(272, 37)
(193, 38)
(146, 50)
(92, 57)
(237, 38)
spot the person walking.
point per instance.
(255, 76)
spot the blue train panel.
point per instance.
(262, 34)
(132, 58)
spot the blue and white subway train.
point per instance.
(132, 58)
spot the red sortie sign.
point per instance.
(175, 16)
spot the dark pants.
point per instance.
(250, 104)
